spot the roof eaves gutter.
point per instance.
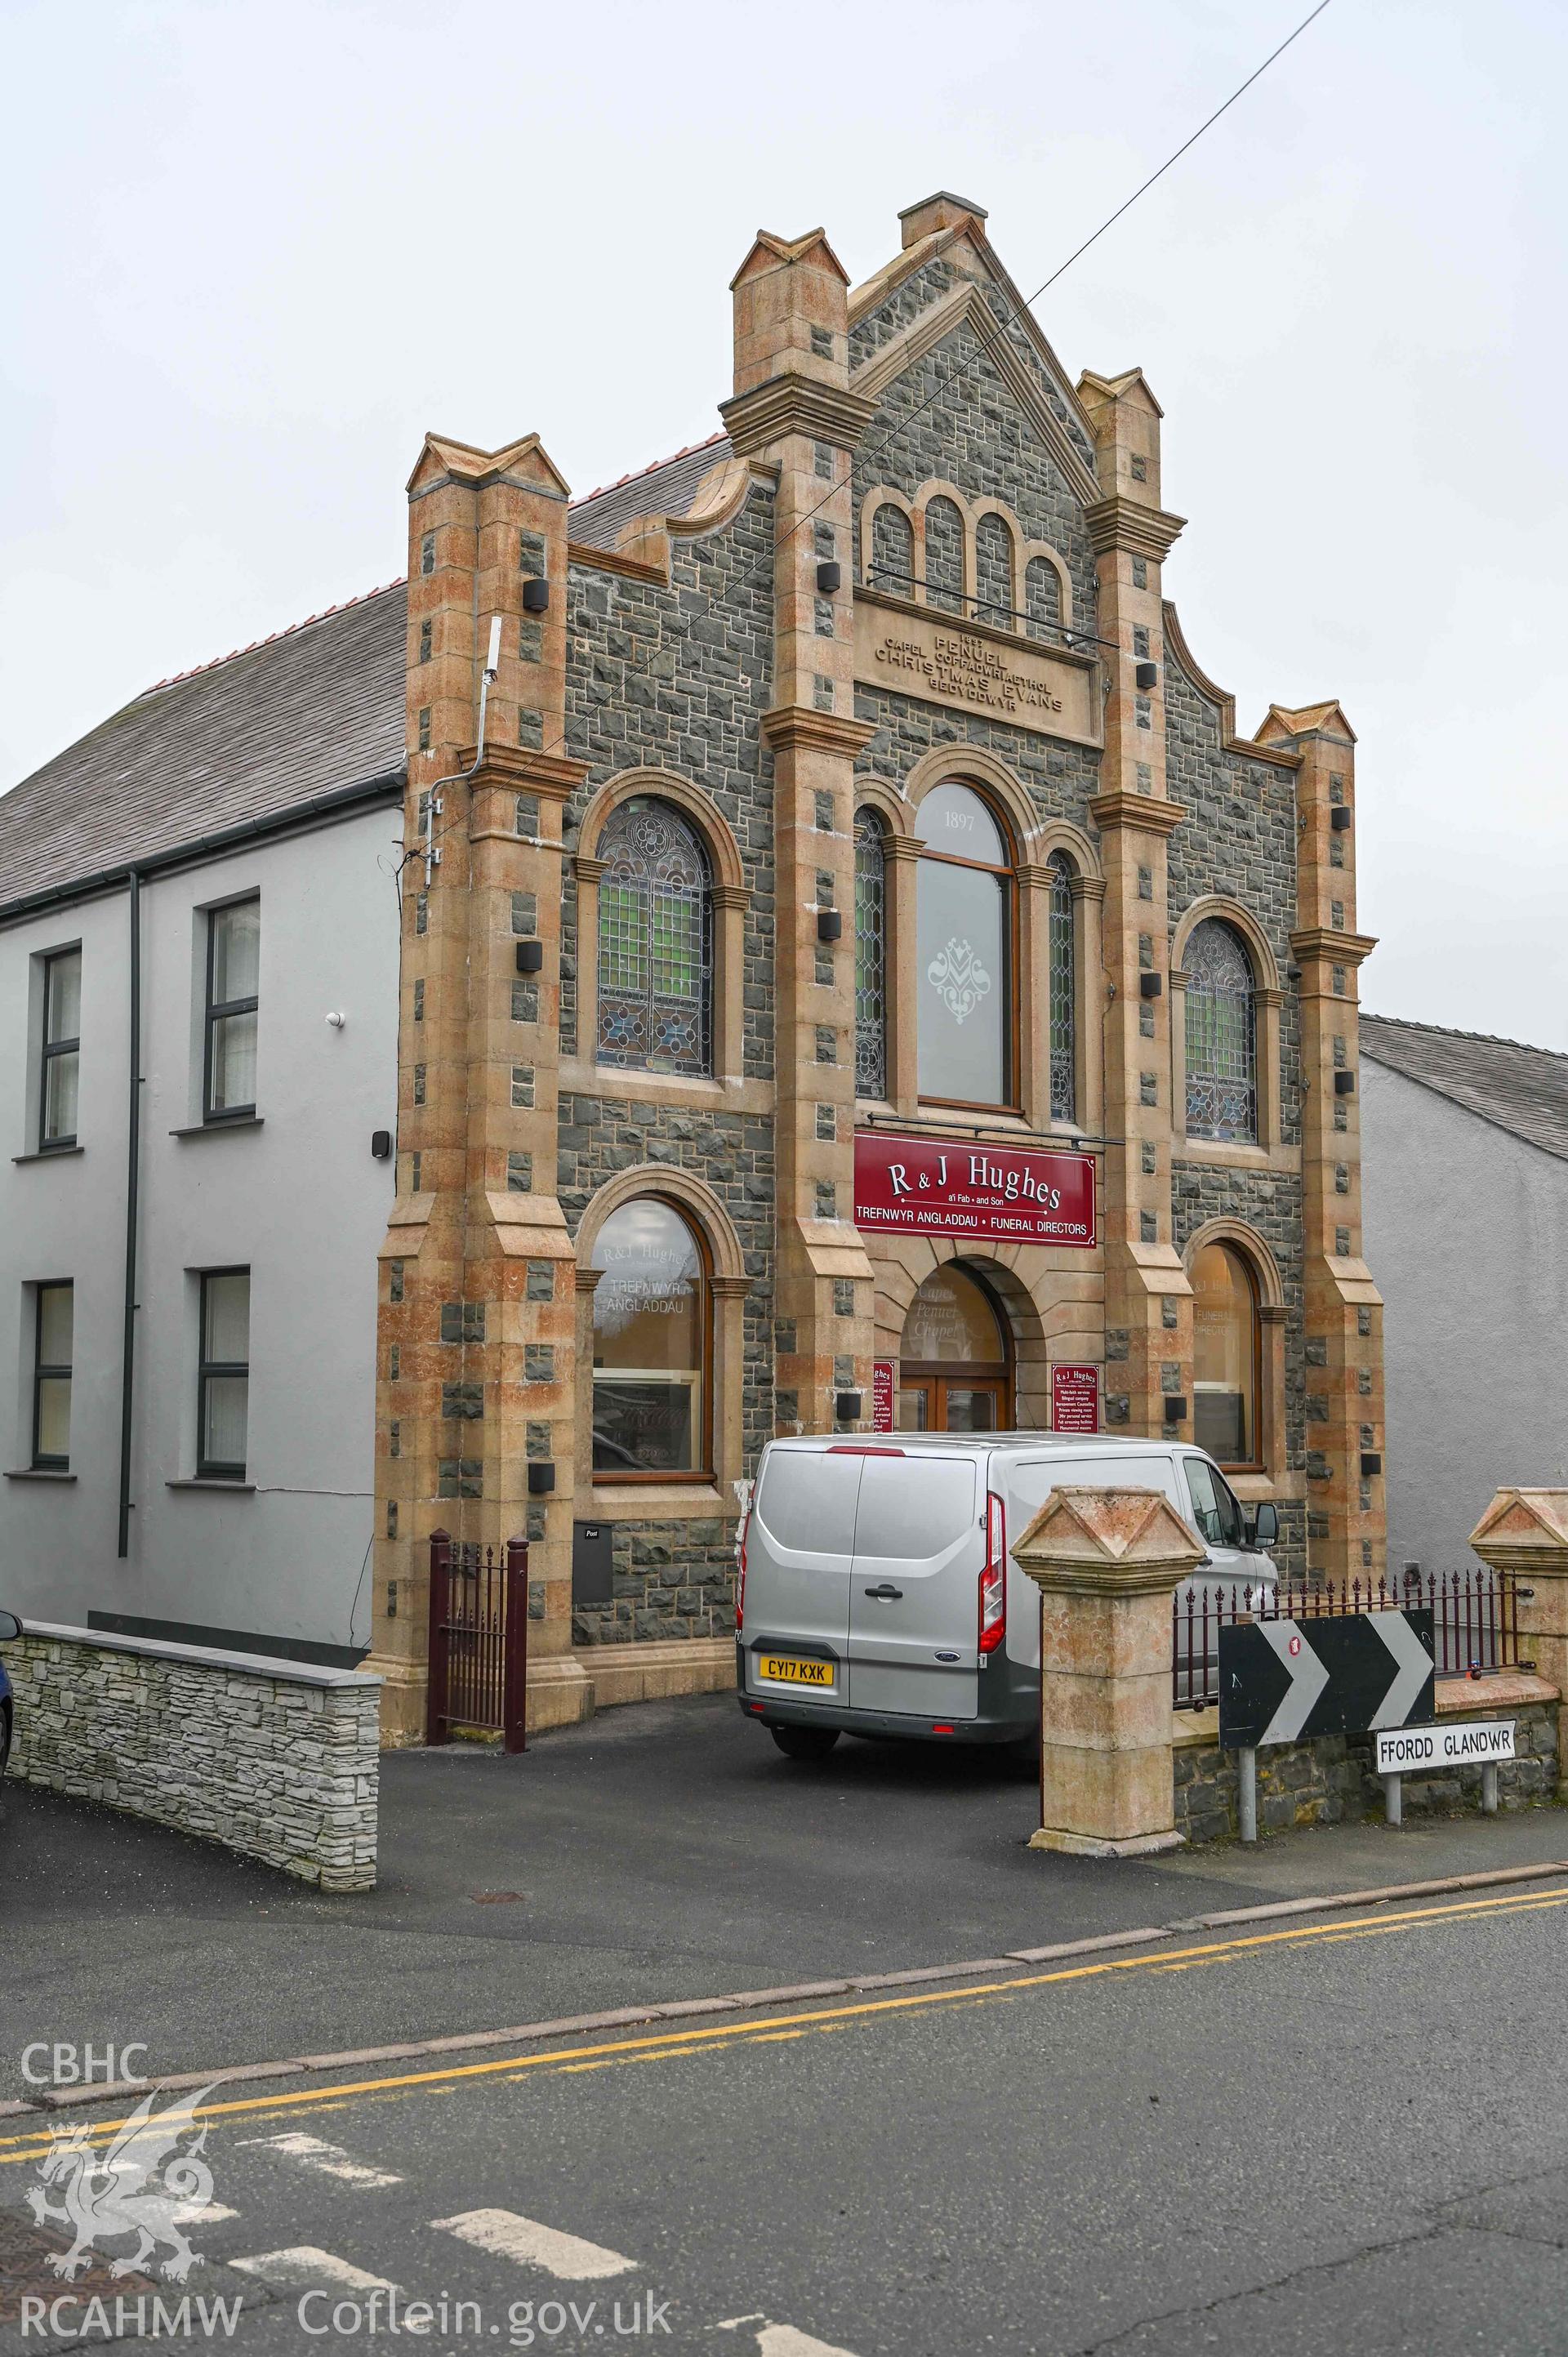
(320, 808)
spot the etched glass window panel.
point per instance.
(960, 982)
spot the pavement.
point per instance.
(1345, 2133)
(661, 1852)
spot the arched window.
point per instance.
(955, 1357)
(963, 952)
(655, 941)
(1221, 1035)
(944, 556)
(1042, 598)
(870, 955)
(891, 551)
(1226, 1356)
(1064, 992)
(993, 572)
(650, 1344)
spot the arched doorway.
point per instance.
(955, 1371)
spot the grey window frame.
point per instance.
(49, 1051)
(1062, 986)
(215, 1014)
(42, 1462)
(215, 1469)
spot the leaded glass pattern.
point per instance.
(655, 942)
(1221, 1043)
(870, 955)
(1064, 992)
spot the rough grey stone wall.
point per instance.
(1270, 1203)
(677, 1579)
(952, 416)
(678, 679)
(280, 1765)
(671, 1579)
(1239, 839)
(1332, 1780)
(1060, 778)
(903, 307)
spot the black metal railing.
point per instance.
(1475, 1621)
(479, 1640)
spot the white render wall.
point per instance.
(1466, 1236)
(299, 1200)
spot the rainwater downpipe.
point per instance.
(133, 1183)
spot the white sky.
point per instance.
(253, 252)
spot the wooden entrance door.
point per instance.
(955, 1370)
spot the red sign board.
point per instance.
(1007, 1194)
(1075, 1399)
(882, 1395)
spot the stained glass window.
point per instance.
(1064, 992)
(870, 955)
(655, 942)
(1222, 1046)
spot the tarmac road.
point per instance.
(1347, 2132)
(665, 1851)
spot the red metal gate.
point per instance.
(479, 1639)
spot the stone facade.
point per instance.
(277, 1763)
(699, 644)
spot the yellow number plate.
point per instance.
(787, 1671)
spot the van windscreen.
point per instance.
(914, 1507)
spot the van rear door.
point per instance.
(799, 1551)
(1029, 1482)
(914, 1606)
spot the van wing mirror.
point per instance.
(9, 1627)
(1266, 1524)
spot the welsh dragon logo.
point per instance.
(141, 2184)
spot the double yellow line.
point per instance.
(34, 2143)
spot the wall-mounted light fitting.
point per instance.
(1147, 675)
(1340, 819)
(541, 1479)
(1175, 1411)
(829, 578)
(381, 1144)
(1371, 1462)
(846, 1406)
(536, 596)
(1150, 985)
(830, 925)
(530, 957)
(1344, 1085)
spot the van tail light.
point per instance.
(740, 1584)
(993, 1578)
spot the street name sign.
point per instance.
(1286, 1681)
(1406, 1751)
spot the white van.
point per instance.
(877, 1596)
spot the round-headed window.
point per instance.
(963, 952)
(1225, 1352)
(650, 1344)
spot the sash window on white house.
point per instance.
(60, 1059)
(233, 976)
(224, 1375)
(53, 1354)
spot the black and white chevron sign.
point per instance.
(1285, 1681)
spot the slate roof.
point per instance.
(667, 487)
(1520, 1089)
(312, 712)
